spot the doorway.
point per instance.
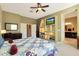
(70, 28)
(28, 30)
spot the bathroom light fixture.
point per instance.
(68, 23)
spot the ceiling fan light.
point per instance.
(39, 9)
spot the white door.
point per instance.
(33, 30)
(24, 30)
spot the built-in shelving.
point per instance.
(47, 31)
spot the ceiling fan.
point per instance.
(40, 7)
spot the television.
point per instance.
(50, 21)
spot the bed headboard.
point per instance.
(12, 36)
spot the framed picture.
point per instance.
(11, 26)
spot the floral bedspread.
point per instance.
(30, 47)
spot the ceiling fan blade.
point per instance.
(43, 10)
(45, 6)
(37, 10)
(33, 7)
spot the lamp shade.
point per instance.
(51, 33)
(42, 30)
(3, 31)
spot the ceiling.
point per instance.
(72, 14)
(24, 9)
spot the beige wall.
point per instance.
(8, 17)
(59, 21)
(0, 17)
(28, 20)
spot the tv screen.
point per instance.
(50, 21)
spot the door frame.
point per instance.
(63, 23)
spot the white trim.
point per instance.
(33, 30)
(62, 23)
(23, 30)
(62, 28)
(78, 22)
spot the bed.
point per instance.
(30, 47)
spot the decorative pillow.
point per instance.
(29, 53)
(51, 53)
(13, 50)
(1, 41)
